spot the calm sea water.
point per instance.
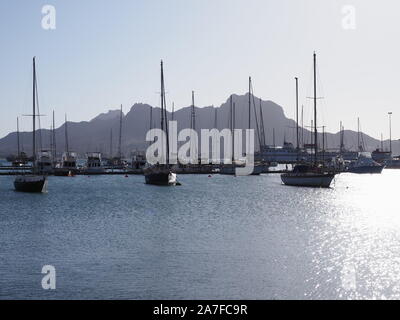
(111, 237)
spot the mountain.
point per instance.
(94, 135)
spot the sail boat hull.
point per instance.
(160, 177)
(32, 184)
(308, 180)
(367, 169)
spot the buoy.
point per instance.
(126, 176)
(210, 176)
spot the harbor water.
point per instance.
(219, 237)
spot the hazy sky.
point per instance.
(104, 53)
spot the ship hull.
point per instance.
(366, 169)
(94, 171)
(65, 172)
(230, 170)
(31, 184)
(308, 180)
(160, 177)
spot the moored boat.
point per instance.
(161, 174)
(31, 183)
(68, 165)
(34, 182)
(365, 164)
(308, 176)
(312, 174)
(94, 164)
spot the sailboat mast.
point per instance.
(34, 110)
(192, 115)
(249, 125)
(111, 143)
(120, 135)
(54, 139)
(315, 108)
(164, 112)
(358, 134)
(233, 131)
(66, 135)
(231, 120)
(297, 118)
(273, 137)
(262, 125)
(302, 126)
(18, 146)
(215, 118)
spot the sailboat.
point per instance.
(161, 174)
(310, 175)
(32, 182)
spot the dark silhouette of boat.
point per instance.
(311, 174)
(161, 174)
(32, 182)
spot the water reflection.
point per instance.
(212, 238)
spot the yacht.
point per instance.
(68, 165)
(365, 164)
(138, 160)
(44, 162)
(94, 164)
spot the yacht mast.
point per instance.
(66, 135)
(315, 108)
(297, 112)
(34, 113)
(164, 112)
(111, 143)
(262, 125)
(54, 139)
(231, 121)
(120, 136)
(18, 146)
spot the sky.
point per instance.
(105, 53)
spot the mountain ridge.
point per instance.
(94, 135)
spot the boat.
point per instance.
(44, 162)
(68, 166)
(161, 174)
(365, 164)
(305, 175)
(34, 182)
(394, 163)
(138, 160)
(94, 164)
(381, 156)
(310, 174)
